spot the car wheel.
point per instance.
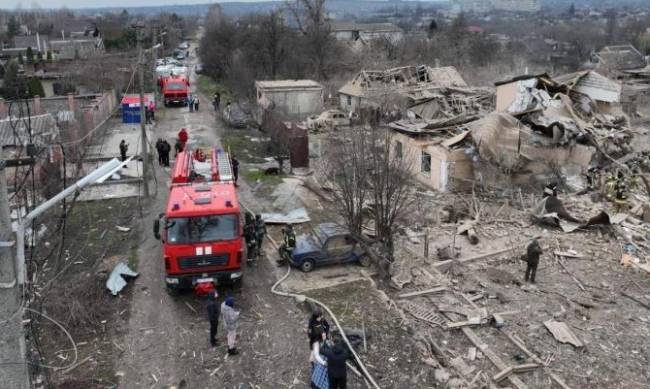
(307, 266)
(365, 260)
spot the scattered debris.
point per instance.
(123, 229)
(116, 281)
(296, 216)
(562, 333)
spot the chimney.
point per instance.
(3, 109)
(37, 105)
(71, 102)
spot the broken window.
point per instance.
(349, 100)
(426, 163)
(398, 149)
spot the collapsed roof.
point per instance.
(621, 57)
(402, 80)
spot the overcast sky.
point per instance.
(26, 4)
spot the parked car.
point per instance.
(330, 244)
(331, 118)
(180, 56)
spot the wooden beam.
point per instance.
(535, 358)
(445, 265)
(421, 292)
(494, 358)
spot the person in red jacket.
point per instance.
(182, 138)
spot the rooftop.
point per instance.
(14, 132)
(621, 57)
(287, 84)
(365, 27)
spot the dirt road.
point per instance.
(166, 342)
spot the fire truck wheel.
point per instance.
(307, 266)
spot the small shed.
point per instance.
(131, 107)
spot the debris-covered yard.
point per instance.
(74, 293)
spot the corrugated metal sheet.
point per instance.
(14, 132)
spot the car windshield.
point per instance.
(175, 86)
(320, 235)
(183, 230)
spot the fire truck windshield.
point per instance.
(175, 86)
(186, 230)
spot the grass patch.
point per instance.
(240, 144)
(253, 175)
(208, 86)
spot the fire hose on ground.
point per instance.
(302, 297)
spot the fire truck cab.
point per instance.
(201, 229)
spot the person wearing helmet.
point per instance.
(289, 242)
(260, 232)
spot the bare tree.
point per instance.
(367, 174)
(319, 44)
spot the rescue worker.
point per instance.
(235, 168)
(123, 149)
(289, 242)
(249, 235)
(178, 147)
(230, 317)
(190, 101)
(620, 192)
(196, 103)
(317, 324)
(260, 232)
(213, 317)
(533, 251)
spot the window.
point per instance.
(399, 152)
(426, 163)
(183, 230)
(349, 100)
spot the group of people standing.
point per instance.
(163, 148)
(193, 102)
(230, 318)
(254, 233)
(328, 354)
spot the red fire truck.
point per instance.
(201, 230)
(175, 90)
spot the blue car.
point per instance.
(330, 244)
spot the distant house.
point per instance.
(370, 86)
(292, 99)
(73, 48)
(367, 32)
(20, 43)
(618, 58)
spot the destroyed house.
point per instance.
(618, 58)
(370, 87)
(436, 157)
(349, 31)
(291, 99)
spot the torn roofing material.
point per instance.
(592, 84)
(370, 83)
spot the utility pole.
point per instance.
(7, 270)
(143, 119)
(155, 51)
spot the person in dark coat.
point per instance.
(249, 235)
(213, 317)
(260, 232)
(317, 324)
(124, 147)
(336, 368)
(216, 101)
(167, 148)
(178, 147)
(159, 149)
(235, 168)
(532, 259)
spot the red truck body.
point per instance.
(175, 90)
(202, 233)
